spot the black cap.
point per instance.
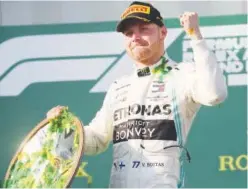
(141, 11)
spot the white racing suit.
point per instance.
(150, 110)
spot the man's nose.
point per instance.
(136, 36)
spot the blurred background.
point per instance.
(68, 53)
(51, 12)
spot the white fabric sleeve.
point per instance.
(208, 84)
(98, 133)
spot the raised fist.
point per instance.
(190, 23)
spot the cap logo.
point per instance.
(135, 9)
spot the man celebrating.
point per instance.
(148, 114)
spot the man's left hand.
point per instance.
(190, 23)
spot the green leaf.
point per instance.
(21, 175)
(82, 173)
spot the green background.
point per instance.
(216, 131)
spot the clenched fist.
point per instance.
(190, 23)
(55, 112)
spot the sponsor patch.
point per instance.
(145, 129)
(136, 9)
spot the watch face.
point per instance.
(49, 156)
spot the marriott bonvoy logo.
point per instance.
(76, 57)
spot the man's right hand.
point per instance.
(54, 112)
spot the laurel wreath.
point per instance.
(55, 169)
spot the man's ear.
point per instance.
(163, 32)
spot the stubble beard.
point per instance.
(143, 54)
